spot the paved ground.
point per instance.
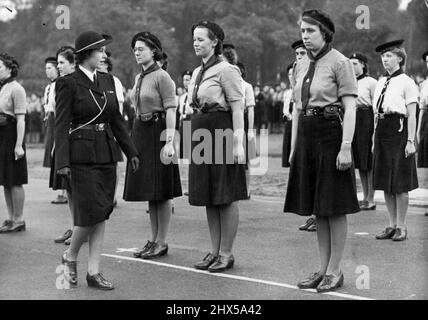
(271, 255)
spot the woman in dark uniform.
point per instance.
(13, 161)
(364, 128)
(394, 168)
(422, 133)
(66, 65)
(87, 122)
(217, 170)
(322, 178)
(158, 180)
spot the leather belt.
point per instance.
(146, 117)
(95, 127)
(389, 115)
(319, 111)
(364, 107)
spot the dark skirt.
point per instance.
(362, 143)
(286, 144)
(57, 182)
(12, 172)
(315, 186)
(392, 171)
(49, 140)
(215, 179)
(423, 144)
(92, 188)
(154, 180)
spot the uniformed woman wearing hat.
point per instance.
(158, 179)
(87, 123)
(394, 169)
(13, 161)
(66, 65)
(422, 133)
(364, 127)
(322, 179)
(217, 169)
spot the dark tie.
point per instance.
(306, 86)
(211, 62)
(96, 82)
(379, 103)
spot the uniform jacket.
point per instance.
(74, 106)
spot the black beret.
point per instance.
(424, 55)
(214, 27)
(389, 45)
(297, 44)
(321, 17)
(359, 56)
(52, 60)
(186, 73)
(149, 37)
(228, 46)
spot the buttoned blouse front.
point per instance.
(333, 79)
(423, 101)
(13, 100)
(157, 93)
(220, 85)
(366, 89)
(401, 92)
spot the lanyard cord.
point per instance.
(101, 111)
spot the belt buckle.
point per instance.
(155, 117)
(146, 117)
(100, 127)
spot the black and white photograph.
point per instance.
(213, 156)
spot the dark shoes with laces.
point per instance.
(322, 283)
(144, 250)
(10, 226)
(395, 234)
(155, 251)
(215, 264)
(310, 225)
(67, 235)
(97, 281)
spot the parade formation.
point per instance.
(336, 118)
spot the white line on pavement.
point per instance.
(234, 277)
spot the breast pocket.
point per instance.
(82, 146)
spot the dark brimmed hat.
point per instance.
(52, 60)
(186, 73)
(298, 44)
(389, 45)
(424, 55)
(149, 37)
(359, 56)
(214, 27)
(91, 40)
(228, 46)
(321, 17)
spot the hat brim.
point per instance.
(107, 39)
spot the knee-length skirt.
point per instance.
(214, 178)
(315, 185)
(423, 143)
(286, 144)
(12, 172)
(362, 142)
(155, 180)
(92, 192)
(392, 171)
(49, 140)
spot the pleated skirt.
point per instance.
(315, 186)
(362, 142)
(286, 144)
(155, 180)
(12, 172)
(49, 140)
(214, 179)
(423, 144)
(392, 171)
